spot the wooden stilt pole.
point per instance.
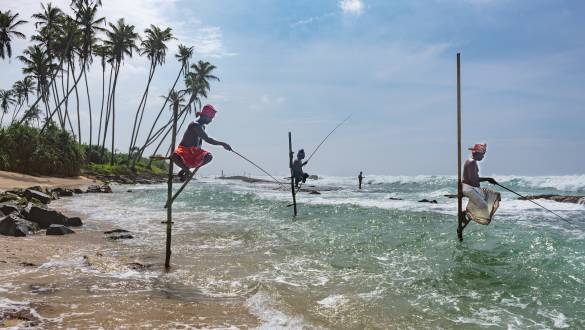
(292, 180)
(459, 184)
(170, 193)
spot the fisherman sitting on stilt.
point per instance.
(189, 153)
(482, 203)
(297, 168)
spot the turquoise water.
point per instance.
(357, 260)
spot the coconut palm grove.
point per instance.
(44, 106)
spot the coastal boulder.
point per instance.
(7, 209)
(428, 201)
(13, 225)
(99, 189)
(42, 197)
(78, 191)
(8, 197)
(45, 217)
(62, 192)
(59, 230)
(74, 222)
(557, 198)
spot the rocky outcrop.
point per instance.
(35, 194)
(428, 201)
(59, 230)
(394, 199)
(99, 189)
(45, 217)
(118, 234)
(74, 222)
(13, 225)
(62, 192)
(557, 198)
(7, 209)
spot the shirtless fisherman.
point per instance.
(189, 153)
(297, 168)
(482, 203)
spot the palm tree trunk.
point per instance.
(114, 112)
(89, 108)
(102, 107)
(2, 119)
(142, 100)
(159, 114)
(108, 106)
(165, 137)
(77, 104)
(15, 115)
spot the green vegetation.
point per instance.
(64, 48)
(54, 152)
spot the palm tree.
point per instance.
(6, 100)
(183, 56)
(90, 26)
(22, 89)
(38, 65)
(34, 113)
(121, 40)
(155, 48)
(8, 25)
(102, 52)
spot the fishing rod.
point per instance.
(260, 168)
(325, 139)
(320, 144)
(526, 198)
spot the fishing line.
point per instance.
(325, 139)
(260, 168)
(526, 198)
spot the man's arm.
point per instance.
(490, 180)
(210, 140)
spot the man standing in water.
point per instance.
(297, 168)
(189, 154)
(482, 203)
(360, 179)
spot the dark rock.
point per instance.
(450, 196)
(35, 188)
(558, 198)
(394, 199)
(121, 236)
(99, 189)
(314, 192)
(45, 217)
(59, 230)
(129, 190)
(116, 231)
(8, 197)
(428, 201)
(7, 209)
(13, 225)
(139, 266)
(74, 222)
(62, 192)
(313, 177)
(78, 191)
(27, 264)
(42, 197)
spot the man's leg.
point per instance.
(179, 161)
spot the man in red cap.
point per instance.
(189, 154)
(483, 203)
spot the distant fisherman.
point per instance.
(189, 153)
(360, 179)
(297, 168)
(483, 203)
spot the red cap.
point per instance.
(207, 111)
(481, 148)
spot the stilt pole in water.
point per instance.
(459, 184)
(292, 180)
(170, 194)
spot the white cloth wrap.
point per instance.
(482, 203)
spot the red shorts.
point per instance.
(191, 156)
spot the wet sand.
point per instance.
(84, 280)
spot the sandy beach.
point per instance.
(10, 180)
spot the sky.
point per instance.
(305, 65)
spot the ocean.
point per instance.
(350, 260)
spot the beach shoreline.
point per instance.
(52, 281)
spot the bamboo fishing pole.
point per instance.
(170, 195)
(459, 184)
(292, 179)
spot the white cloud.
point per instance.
(355, 7)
